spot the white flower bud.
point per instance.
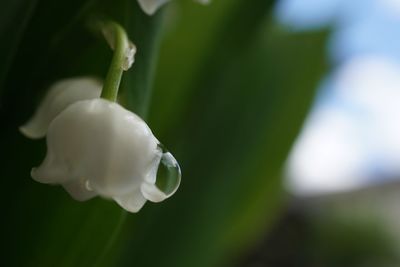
(60, 95)
(204, 2)
(96, 147)
(151, 6)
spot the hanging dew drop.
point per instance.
(168, 173)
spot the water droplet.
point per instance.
(168, 173)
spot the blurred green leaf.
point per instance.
(231, 92)
(231, 124)
(350, 242)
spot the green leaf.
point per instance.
(231, 124)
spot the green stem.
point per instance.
(118, 40)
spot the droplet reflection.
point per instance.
(168, 173)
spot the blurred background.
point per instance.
(283, 116)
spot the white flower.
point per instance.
(151, 6)
(60, 95)
(97, 147)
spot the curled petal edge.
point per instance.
(132, 202)
(78, 190)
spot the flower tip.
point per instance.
(151, 6)
(34, 174)
(204, 2)
(38, 175)
(131, 208)
(133, 202)
(152, 192)
(30, 130)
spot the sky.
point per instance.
(351, 137)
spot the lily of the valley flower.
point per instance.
(151, 6)
(97, 147)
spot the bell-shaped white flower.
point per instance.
(60, 95)
(97, 147)
(151, 6)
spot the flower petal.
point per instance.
(151, 6)
(78, 190)
(60, 95)
(51, 171)
(97, 147)
(132, 202)
(204, 2)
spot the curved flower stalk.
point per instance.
(151, 6)
(95, 147)
(60, 95)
